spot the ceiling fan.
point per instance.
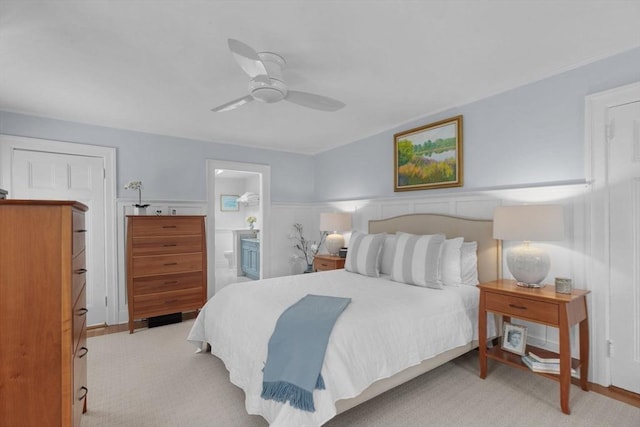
(267, 84)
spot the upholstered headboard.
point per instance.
(478, 230)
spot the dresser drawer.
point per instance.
(79, 316)
(166, 264)
(166, 245)
(170, 282)
(79, 274)
(158, 226)
(168, 302)
(79, 232)
(80, 387)
(522, 308)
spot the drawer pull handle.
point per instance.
(85, 351)
(81, 231)
(172, 282)
(171, 263)
(170, 244)
(82, 311)
(168, 226)
(86, 390)
(81, 271)
(519, 307)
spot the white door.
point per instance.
(55, 176)
(624, 210)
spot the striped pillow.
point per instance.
(364, 253)
(416, 259)
(450, 273)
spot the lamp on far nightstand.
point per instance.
(528, 264)
(334, 223)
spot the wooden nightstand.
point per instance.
(327, 262)
(543, 306)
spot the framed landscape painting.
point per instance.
(429, 156)
(229, 202)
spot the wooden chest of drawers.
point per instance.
(43, 368)
(166, 265)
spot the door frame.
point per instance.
(9, 143)
(265, 211)
(597, 227)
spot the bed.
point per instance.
(391, 331)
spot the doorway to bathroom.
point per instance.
(238, 210)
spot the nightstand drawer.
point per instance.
(522, 308)
(325, 265)
(327, 262)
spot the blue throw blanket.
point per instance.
(296, 350)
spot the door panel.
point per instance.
(624, 225)
(55, 176)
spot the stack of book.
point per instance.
(546, 365)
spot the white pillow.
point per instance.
(450, 273)
(469, 263)
(363, 256)
(416, 259)
(388, 251)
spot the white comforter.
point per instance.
(387, 328)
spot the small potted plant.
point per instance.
(139, 208)
(251, 220)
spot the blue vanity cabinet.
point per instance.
(250, 258)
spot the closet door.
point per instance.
(624, 226)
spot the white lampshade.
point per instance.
(529, 265)
(332, 223)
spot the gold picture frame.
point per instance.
(429, 156)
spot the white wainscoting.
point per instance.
(568, 259)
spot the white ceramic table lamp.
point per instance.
(334, 223)
(528, 264)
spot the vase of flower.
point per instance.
(307, 248)
(251, 220)
(139, 208)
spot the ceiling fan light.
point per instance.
(267, 94)
(273, 91)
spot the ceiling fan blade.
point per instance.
(247, 58)
(233, 104)
(311, 100)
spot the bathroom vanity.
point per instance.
(250, 258)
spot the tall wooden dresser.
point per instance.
(166, 265)
(43, 340)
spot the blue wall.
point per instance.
(530, 135)
(170, 168)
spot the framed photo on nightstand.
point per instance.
(514, 338)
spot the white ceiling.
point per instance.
(160, 66)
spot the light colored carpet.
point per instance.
(154, 378)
